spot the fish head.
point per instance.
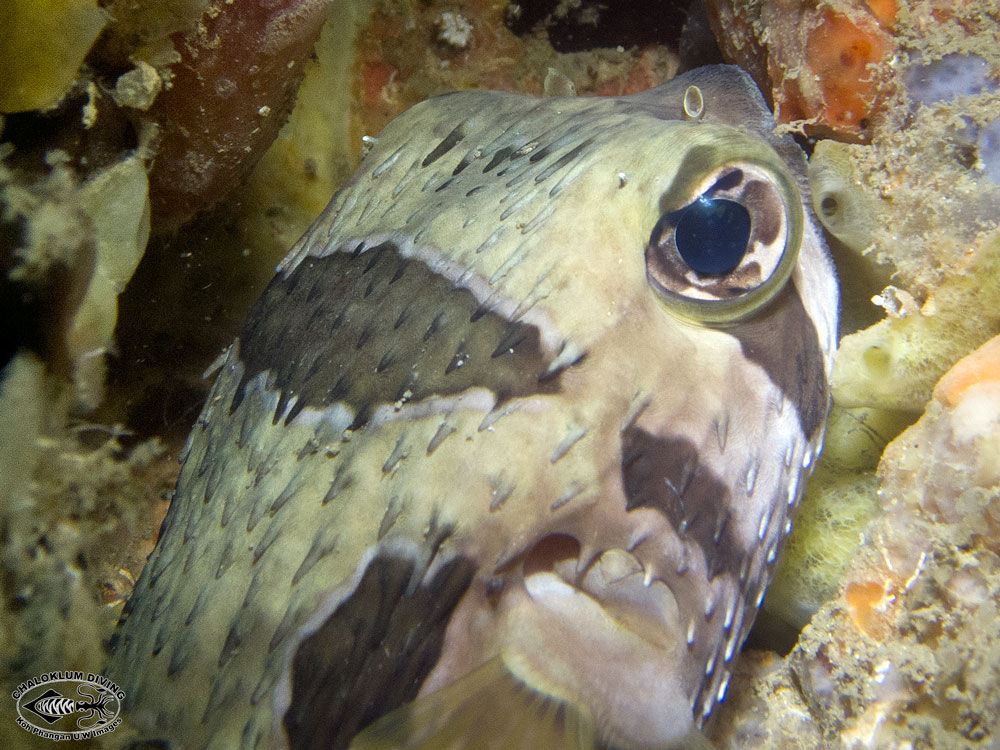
(675, 311)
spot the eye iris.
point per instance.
(712, 235)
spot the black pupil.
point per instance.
(712, 235)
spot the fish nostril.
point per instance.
(549, 552)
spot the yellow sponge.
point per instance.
(42, 43)
(838, 505)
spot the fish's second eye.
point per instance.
(712, 234)
(726, 241)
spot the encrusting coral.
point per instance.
(230, 93)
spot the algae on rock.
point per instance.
(92, 234)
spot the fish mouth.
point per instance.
(600, 631)
(616, 579)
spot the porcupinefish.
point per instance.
(505, 453)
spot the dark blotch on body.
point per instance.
(373, 653)
(784, 341)
(383, 329)
(663, 473)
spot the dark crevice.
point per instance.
(593, 24)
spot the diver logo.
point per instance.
(68, 705)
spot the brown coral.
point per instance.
(230, 94)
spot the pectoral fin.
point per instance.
(488, 708)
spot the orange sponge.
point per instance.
(819, 65)
(982, 366)
(839, 52)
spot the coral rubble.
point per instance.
(908, 656)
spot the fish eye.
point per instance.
(711, 235)
(725, 244)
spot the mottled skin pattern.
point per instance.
(464, 423)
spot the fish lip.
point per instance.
(617, 581)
